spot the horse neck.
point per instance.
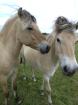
(8, 24)
(10, 41)
(54, 57)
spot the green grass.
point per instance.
(64, 89)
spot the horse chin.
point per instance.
(43, 52)
(69, 73)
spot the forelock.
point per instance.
(62, 24)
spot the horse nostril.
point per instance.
(47, 48)
(65, 69)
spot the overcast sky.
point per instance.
(45, 11)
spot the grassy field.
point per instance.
(64, 89)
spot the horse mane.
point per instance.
(63, 24)
(9, 23)
(4, 34)
(50, 37)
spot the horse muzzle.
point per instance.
(45, 49)
(69, 72)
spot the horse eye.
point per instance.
(29, 28)
(58, 40)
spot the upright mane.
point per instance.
(9, 23)
(63, 24)
(4, 34)
(25, 13)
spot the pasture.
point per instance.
(64, 89)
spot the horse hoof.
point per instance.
(42, 93)
(18, 100)
(7, 102)
(24, 78)
(34, 79)
(50, 103)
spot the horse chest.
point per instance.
(49, 71)
(6, 64)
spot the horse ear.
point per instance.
(23, 13)
(20, 12)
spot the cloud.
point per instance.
(46, 11)
(3, 20)
(7, 9)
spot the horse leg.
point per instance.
(42, 88)
(21, 59)
(33, 75)
(14, 86)
(4, 84)
(48, 88)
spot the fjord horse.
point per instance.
(18, 30)
(62, 41)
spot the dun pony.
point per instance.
(18, 30)
(62, 41)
